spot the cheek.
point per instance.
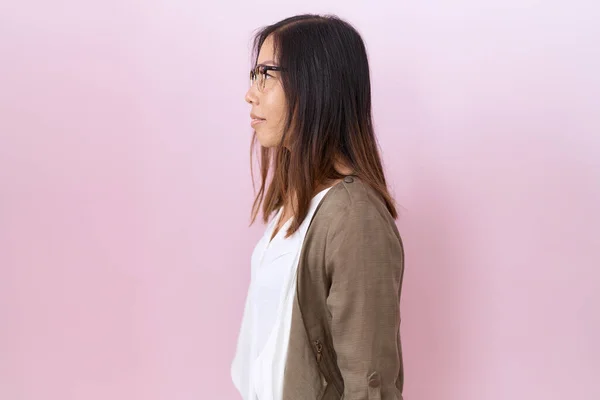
(276, 107)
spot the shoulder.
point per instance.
(352, 204)
(354, 231)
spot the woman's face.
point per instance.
(268, 104)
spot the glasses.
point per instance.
(260, 74)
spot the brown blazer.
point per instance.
(345, 339)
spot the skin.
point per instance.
(271, 105)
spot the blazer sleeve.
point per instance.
(365, 259)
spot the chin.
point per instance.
(268, 141)
(268, 145)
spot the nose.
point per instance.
(251, 96)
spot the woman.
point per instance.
(321, 318)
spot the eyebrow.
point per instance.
(268, 62)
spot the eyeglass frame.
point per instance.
(263, 70)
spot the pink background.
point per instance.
(125, 193)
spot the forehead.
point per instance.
(266, 54)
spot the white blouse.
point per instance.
(258, 365)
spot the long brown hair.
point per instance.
(328, 92)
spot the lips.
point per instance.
(256, 121)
